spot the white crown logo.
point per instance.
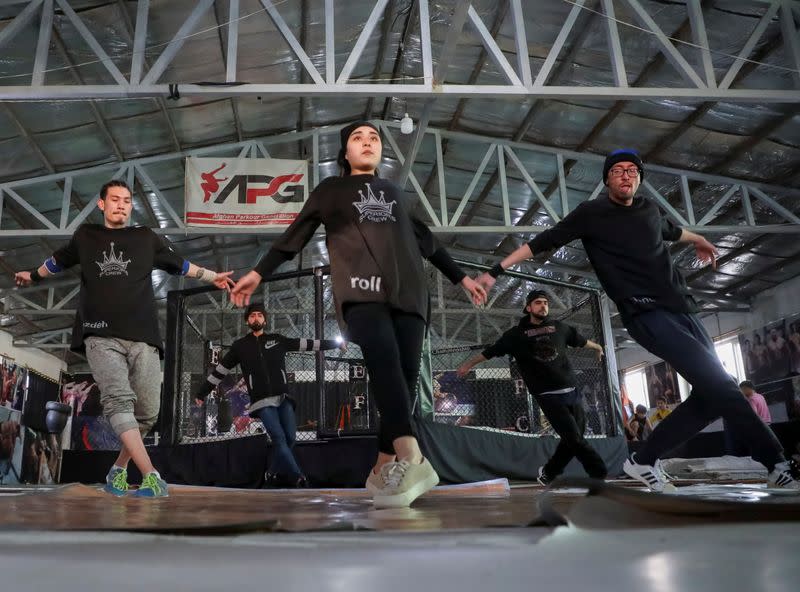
(113, 265)
(374, 209)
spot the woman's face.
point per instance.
(364, 149)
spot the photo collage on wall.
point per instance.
(771, 356)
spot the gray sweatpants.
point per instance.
(128, 374)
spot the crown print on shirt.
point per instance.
(372, 208)
(113, 264)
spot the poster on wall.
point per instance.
(13, 384)
(771, 356)
(244, 191)
(772, 352)
(89, 429)
(11, 447)
(662, 382)
(41, 457)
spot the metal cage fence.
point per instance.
(331, 389)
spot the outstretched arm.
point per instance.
(705, 250)
(229, 361)
(49, 267)
(441, 260)
(488, 278)
(464, 368)
(314, 344)
(221, 280)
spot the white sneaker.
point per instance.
(375, 481)
(784, 475)
(652, 476)
(403, 483)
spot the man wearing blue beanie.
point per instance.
(625, 238)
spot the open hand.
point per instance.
(224, 281)
(244, 288)
(475, 290)
(23, 278)
(706, 252)
(486, 281)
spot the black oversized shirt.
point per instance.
(540, 353)
(626, 246)
(375, 245)
(116, 297)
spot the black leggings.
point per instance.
(391, 342)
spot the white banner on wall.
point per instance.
(244, 191)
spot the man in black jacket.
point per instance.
(625, 240)
(539, 346)
(262, 357)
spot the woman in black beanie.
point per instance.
(376, 248)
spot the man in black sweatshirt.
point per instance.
(539, 346)
(262, 357)
(625, 240)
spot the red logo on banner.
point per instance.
(210, 183)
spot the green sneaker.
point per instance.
(116, 481)
(152, 486)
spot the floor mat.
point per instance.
(212, 510)
(613, 506)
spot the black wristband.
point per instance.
(496, 270)
(35, 277)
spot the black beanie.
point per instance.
(622, 155)
(533, 295)
(255, 307)
(344, 135)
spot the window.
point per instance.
(730, 354)
(636, 385)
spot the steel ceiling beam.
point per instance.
(145, 81)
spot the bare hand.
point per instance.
(23, 278)
(475, 290)
(343, 346)
(706, 252)
(463, 370)
(599, 353)
(244, 288)
(224, 281)
(199, 401)
(486, 281)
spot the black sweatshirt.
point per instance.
(540, 352)
(116, 296)
(625, 245)
(263, 361)
(375, 245)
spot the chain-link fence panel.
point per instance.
(332, 390)
(492, 395)
(207, 325)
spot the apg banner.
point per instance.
(244, 191)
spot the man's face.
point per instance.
(364, 149)
(661, 404)
(116, 207)
(256, 320)
(623, 180)
(747, 391)
(539, 308)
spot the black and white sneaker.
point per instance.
(542, 478)
(651, 475)
(785, 475)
